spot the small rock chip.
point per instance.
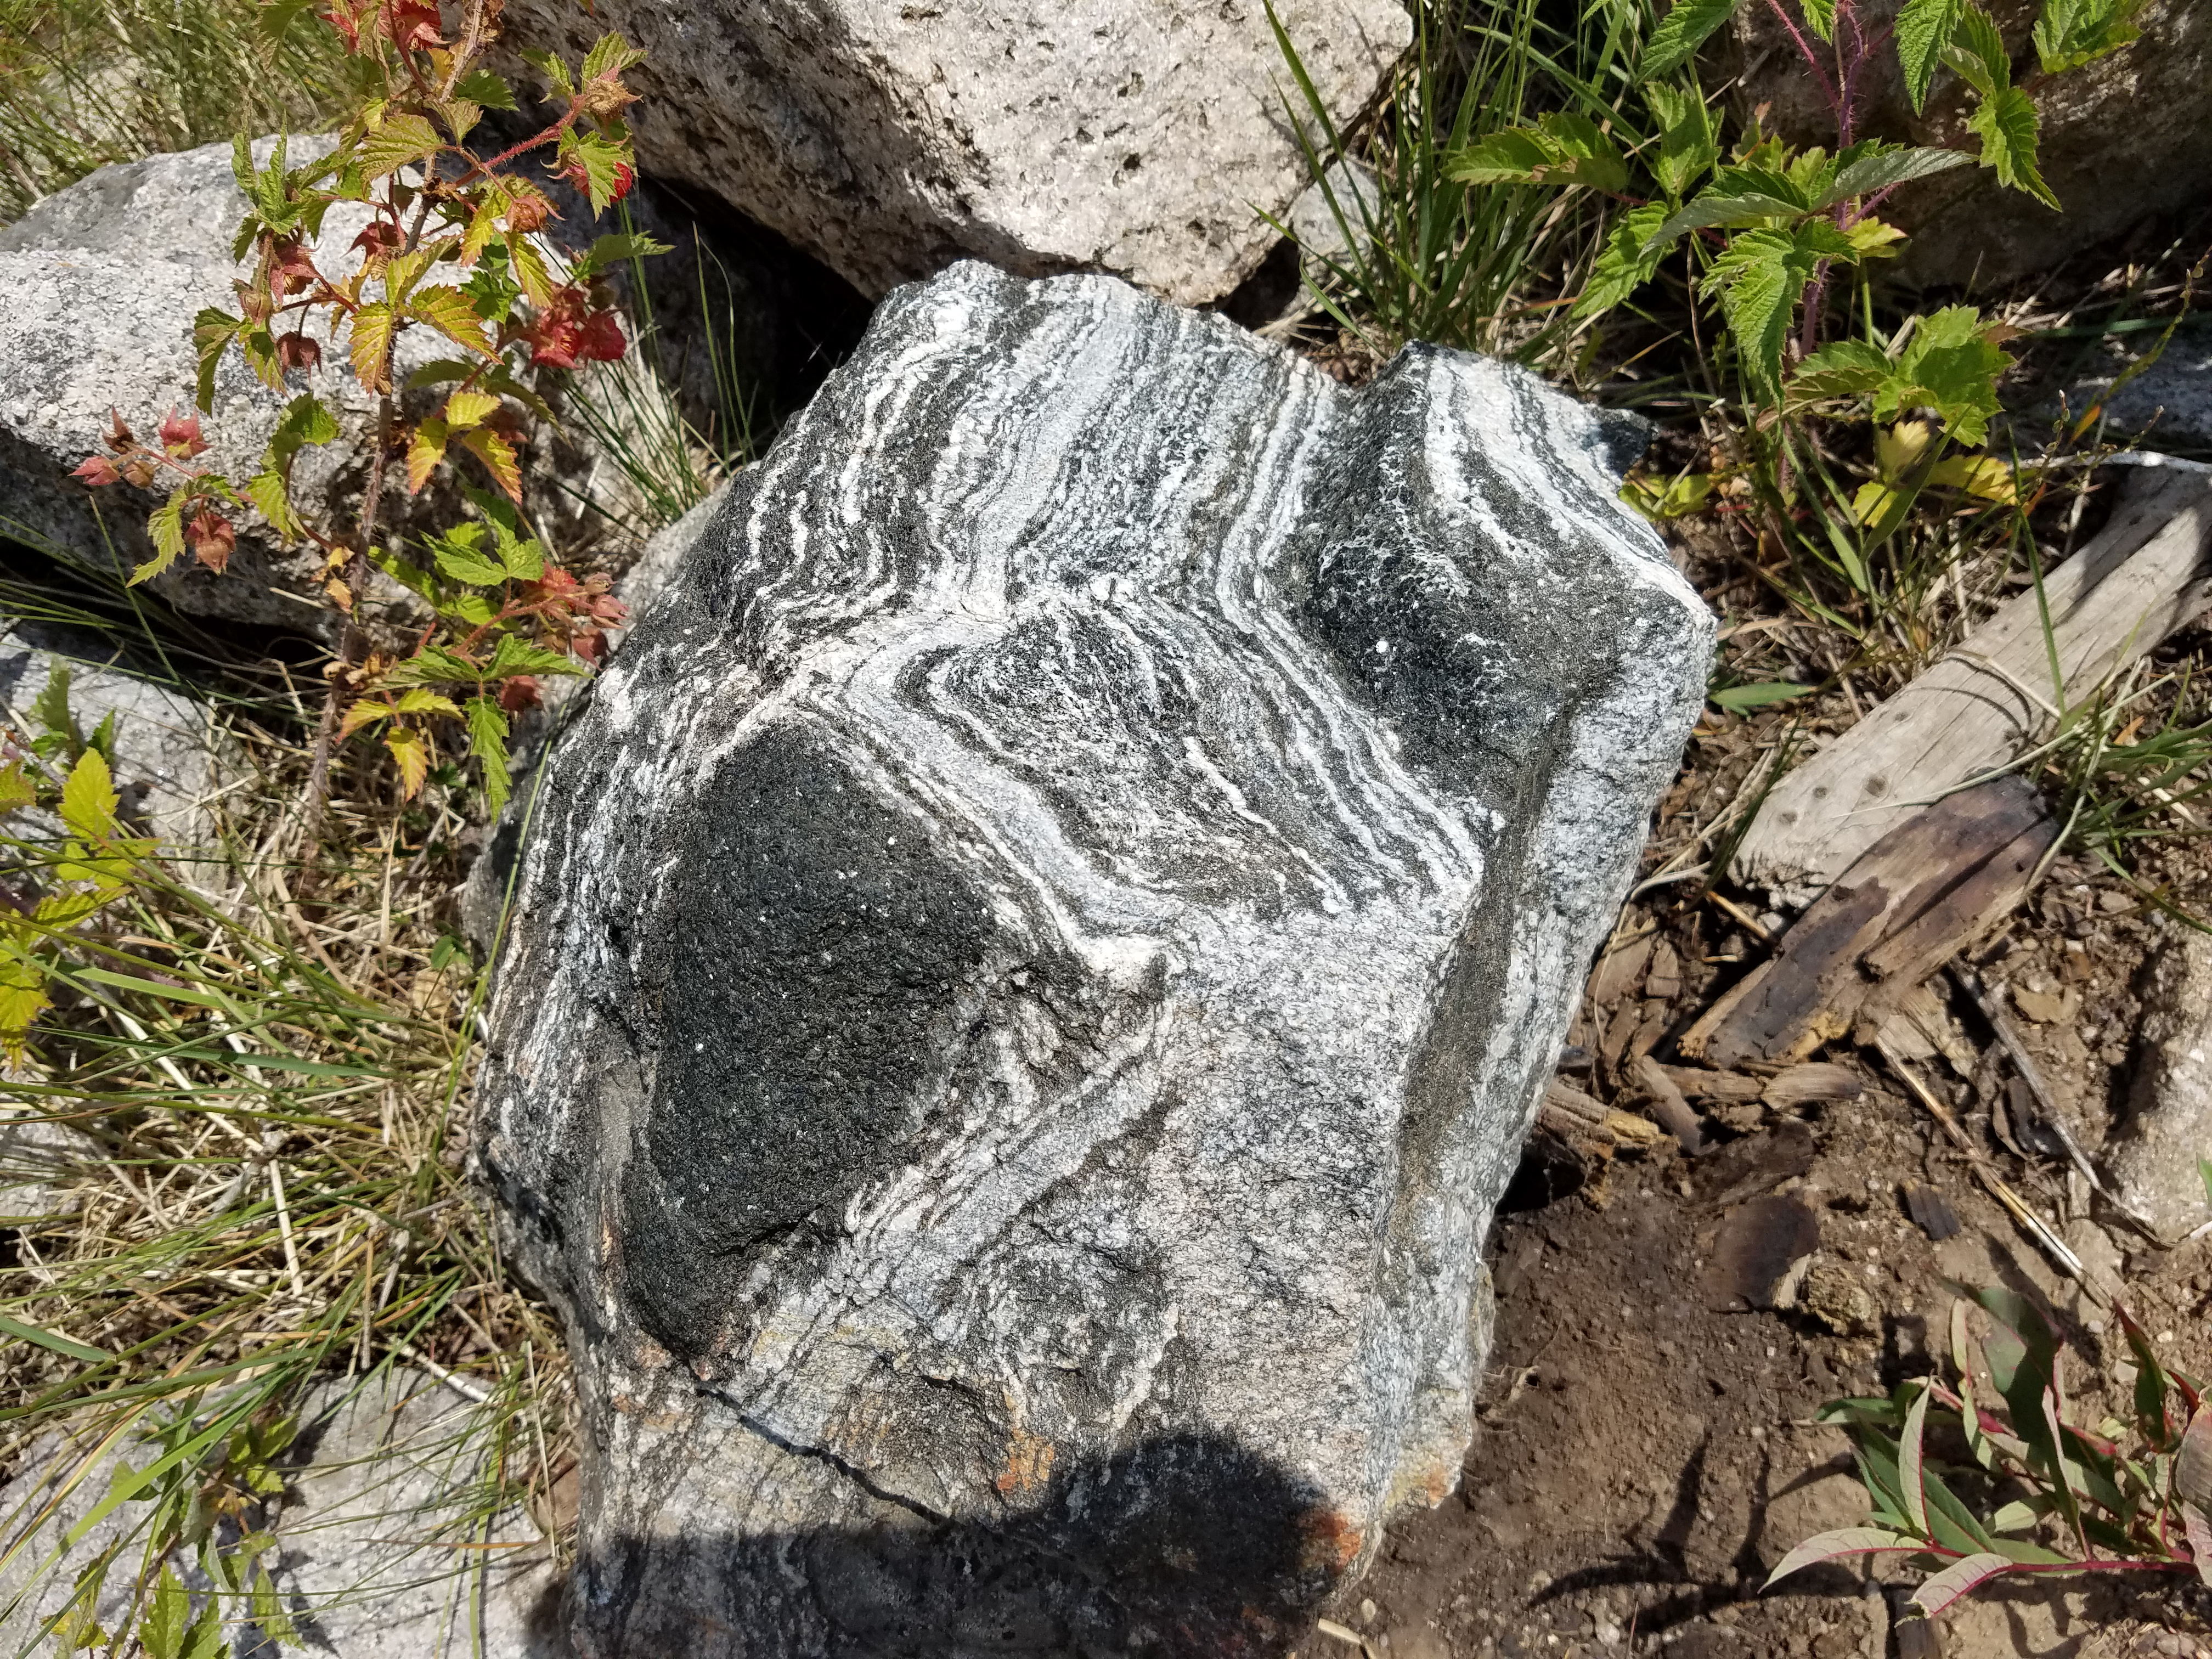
(1930, 1212)
(2044, 1007)
(1839, 1299)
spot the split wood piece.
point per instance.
(2150, 572)
(1801, 1086)
(1713, 1085)
(1577, 1117)
(1667, 1105)
(1939, 880)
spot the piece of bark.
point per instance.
(1667, 1105)
(1617, 972)
(1939, 880)
(2146, 574)
(1919, 1026)
(1800, 1085)
(1662, 979)
(1713, 1085)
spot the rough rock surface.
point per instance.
(890, 138)
(387, 1475)
(103, 281)
(170, 754)
(1035, 964)
(2169, 1127)
(2124, 138)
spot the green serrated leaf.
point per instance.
(482, 86)
(1887, 166)
(89, 797)
(267, 493)
(167, 526)
(1845, 368)
(1821, 17)
(212, 330)
(1689, 137)
(608, 252)
(2005, 121)
(1924, 29)
(453, 312)
(1761, 277)
(2072, 32)
(276, 17)
(400, 140)
(460, 557)
(515, 656)
(1681, 33)
(488, 730)
(161, 1633)
(1625, 261)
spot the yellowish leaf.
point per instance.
(411, 749)
(89, 797)
(426, 447)
(498, 457)
(453, 314)
(367, 709)
(467, 409)
(371, 346)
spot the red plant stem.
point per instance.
(1805, 51)
(354, 644)
(575, 109)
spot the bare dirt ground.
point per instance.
(1647, 1449)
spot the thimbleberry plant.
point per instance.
(454, 243)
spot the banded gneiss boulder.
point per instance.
(1033, 967)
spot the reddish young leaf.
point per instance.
(519, 693)
(298, 351)
(212, 537)
(180, 436)
(379, 239)
(97, 471)
(412, 25)
(600, 339)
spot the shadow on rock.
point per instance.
(1186, 1545)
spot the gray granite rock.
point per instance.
(889, 139)
(172, 757)
(103, 281)
(1034, 966)
(2154, 1159)
(2123, 140)
(381, 1550)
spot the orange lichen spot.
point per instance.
(1332, 1542)
(1029, 1463)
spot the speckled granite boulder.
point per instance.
(1034, 966)
(889, 138)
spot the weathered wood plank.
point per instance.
(2146, 574)
(1940, 879)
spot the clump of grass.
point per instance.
(1427, 257)
(263, 1091)
(85, 82)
